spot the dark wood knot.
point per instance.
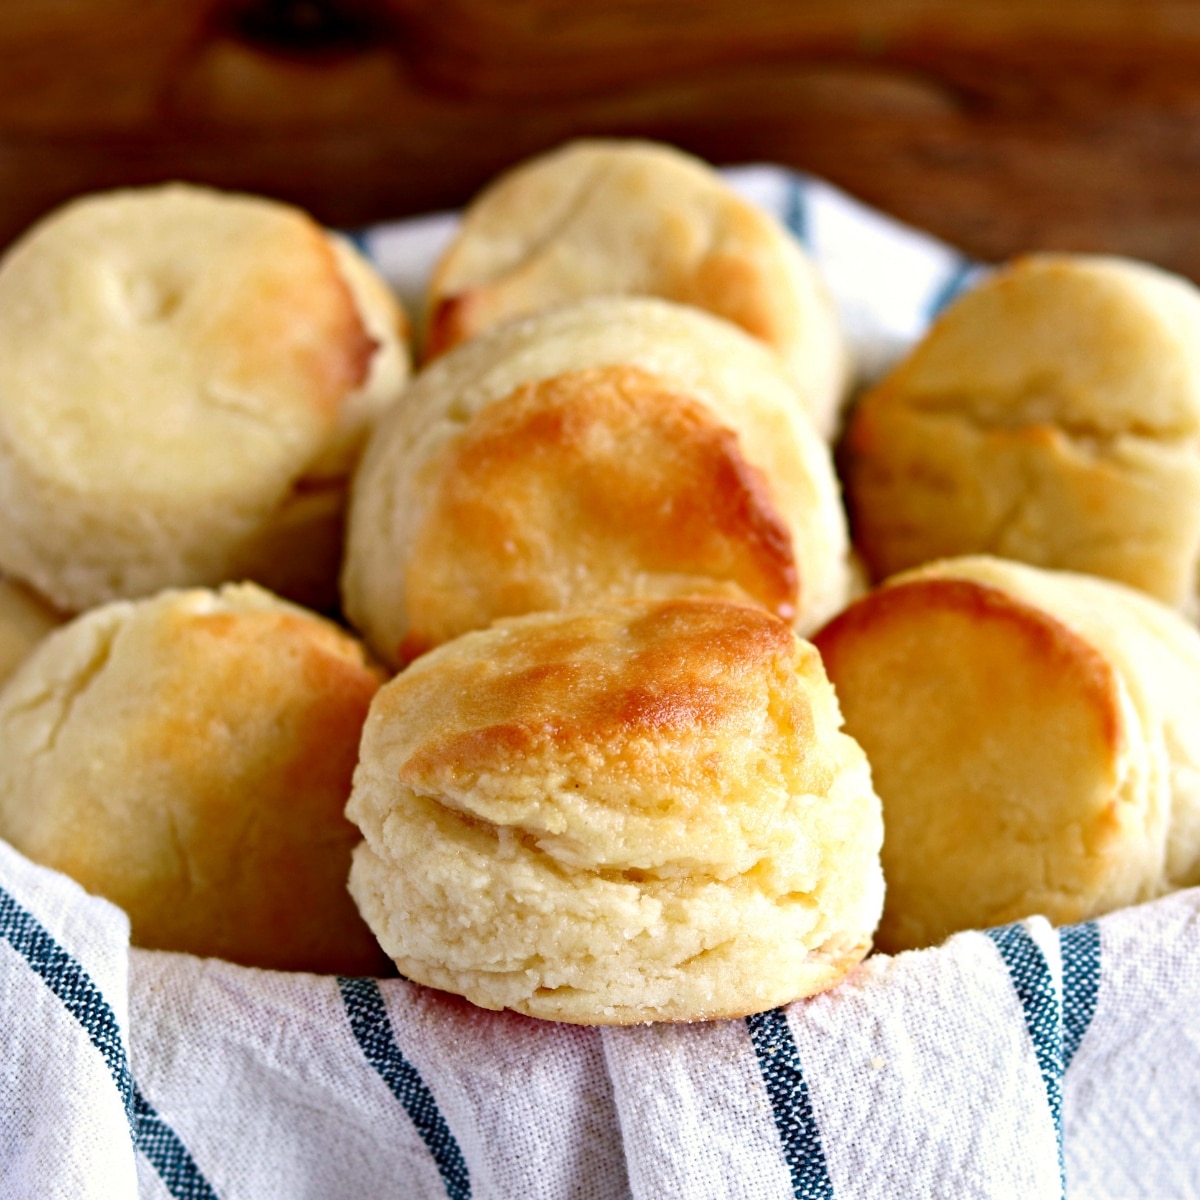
(309, 28)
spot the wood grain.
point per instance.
(1000, 126)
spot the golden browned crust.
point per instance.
(601, 481)
(386, 325)
(451, 322)
(636, 811)
(671, 681)
(189, 757)
(1020, 770)
(1042, 637)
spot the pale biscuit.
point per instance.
(642, 811)
(1035, 739)
(186, 378)
(189, 757)
(1051, 415)
(619, 446)
(630, 217)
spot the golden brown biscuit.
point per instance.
(629, 217)
(185, 380)
(614, 447)
(640, 811)
(189, 757)
(1051, 415)
(1034, 736)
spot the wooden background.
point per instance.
(1002, 125)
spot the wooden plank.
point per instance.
(1000, 126)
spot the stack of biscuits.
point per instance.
(537, 673)
(1025, 487)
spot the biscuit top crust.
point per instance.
(1095, 345)
(660, 736)
(603, 481)
(1156, 653)
(628, 217)
(227, 317)
(614, 216)
(991, 612)
(592, 679)
(621, 341)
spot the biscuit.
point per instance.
(189, 757)
(186, 378)
(631, 217)
(618, 446)
(642, 811)
(1052, 416)
(1034, 736)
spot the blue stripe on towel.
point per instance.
(955, 283)
(67, 979)
(1034, 985)
(373, 1032)
(360, 239)
(1081, 983)
(779, 1062)
(168, 1155)
(795, 216)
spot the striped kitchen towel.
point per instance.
(1019, 1062)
